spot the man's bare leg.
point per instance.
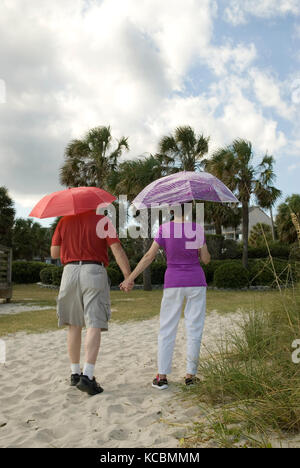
(88, 383)
(74, 344)
(92, 346)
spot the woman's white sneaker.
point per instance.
(160, 384)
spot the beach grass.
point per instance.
(135, 306)
(251, 384)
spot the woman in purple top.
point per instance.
(184, 244)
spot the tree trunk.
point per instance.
(218, 228)
(147, 272)
(272, 221)
(146, 246)
(245, 210)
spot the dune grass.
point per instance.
(251, 385)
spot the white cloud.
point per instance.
(238, 10)
(268, 92)
(72, 65)
(224, 114)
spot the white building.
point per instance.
(256, 215)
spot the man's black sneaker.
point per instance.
(160, 384)
(91, 387)
(74, 379)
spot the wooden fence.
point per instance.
(5, 273)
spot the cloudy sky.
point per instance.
(229, 68)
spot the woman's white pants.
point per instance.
(194, 315)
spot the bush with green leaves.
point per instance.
(209, 270)
(277, 249)
(46, 274)
(231, 276)
(215, 245)
(26, 272)
(295, 253)
(158, 270)
(262, 272)
(280, 250)
(115, 275)
(57, 273)
(230, 249)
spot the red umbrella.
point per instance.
(71, 201)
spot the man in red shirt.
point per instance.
(82, 241)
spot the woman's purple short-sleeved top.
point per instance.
(181, 242)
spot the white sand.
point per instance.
(39, 409)
(13, 309)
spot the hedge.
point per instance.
(222, 249)
(26, 272)
(277, 250)
(231, 276)
(158, 272)
(262, 272)
(46, 274)
(56, 275)
(115, 275)
(215, 245)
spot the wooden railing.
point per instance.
(5, 273)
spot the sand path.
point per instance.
(39, 409)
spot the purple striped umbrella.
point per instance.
(182, 187)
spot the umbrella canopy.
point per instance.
(182, 187)
(71, 201)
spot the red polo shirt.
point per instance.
(79, 237)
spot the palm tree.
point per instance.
(233, 165)
(90, 161)
(266, 193)
(222, 215)
(256, 238)
(23, 240)
(7, 217)
(286, 229)
(130, 178)
(183, 151)
(42, 241)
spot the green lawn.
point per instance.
(136, 305)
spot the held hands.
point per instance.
(127, 285)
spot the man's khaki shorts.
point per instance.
(84, 297)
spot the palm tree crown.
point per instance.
(234, 166)
(183, 151)
(90, 161)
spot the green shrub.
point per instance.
(257, 252)
(26, 272)
(295, 253)
(231, 276)
(215, 245)
(46, 274)
(56, 275)
(230, 249)
(262, 272)
(209, 270)
(158, 272)
(277, 249)
(115, 275)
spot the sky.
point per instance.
(228, 68)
